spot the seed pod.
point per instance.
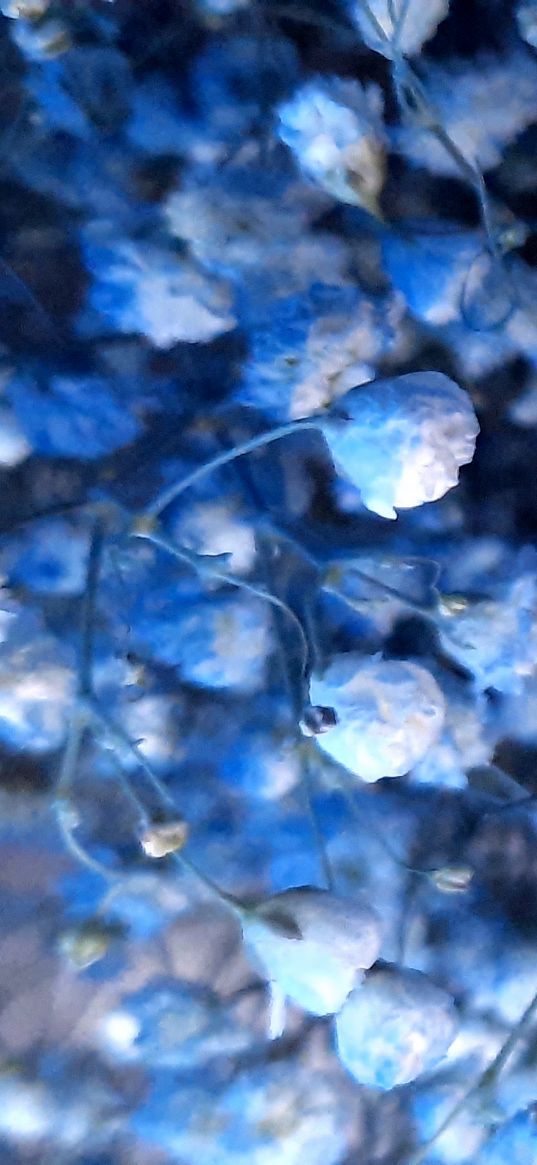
(88, 942)
(452, 879)
(167, 838)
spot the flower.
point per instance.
(402, 441)
(393, 1027)
(389, 713)
(312, 944)
(335, 129)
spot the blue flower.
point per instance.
(75, 416)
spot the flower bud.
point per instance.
(167, 838)
(312, 944)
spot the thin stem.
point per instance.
(399, 22)
(65, 811)
(238, 908)
(386, 589)
(201, 564)
(403, 72)
(93, 571)
(169, 495)
(122, 738)
(324, 860)
(484, 1081)
(80, 853)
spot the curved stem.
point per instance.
(63, 805)
(202, 565)
(122, 739)
(169, 495)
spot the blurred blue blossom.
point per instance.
(73, 416)
(268, 833)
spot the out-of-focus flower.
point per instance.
(36, 687)
(515, 1141)
(287, 1110)
(430, 268)
(145, 289)
(49, 558)
(255, 230)
(526, 17)
(77, 416)
(172, 1025)
(334, 127)
(84, 92)
(481, 107)
(236, 78)
(392, 26)
(495, 639)
(14, 447)
(394, 1027)
(221, 641)
(312, 349)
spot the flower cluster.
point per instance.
(268, 623)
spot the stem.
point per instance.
(93, 571)
(324, 860)
(65, 813)
(122, 738)
(238, 908)
(385, 588)
(403, 72)
(203, 567)
(119, 734)
(169, 495)
(485, 1080)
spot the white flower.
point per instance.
(416, 21)
(403, 440)
(389, 714)
(147, 289)
(526, 16)
(393, 1027)
(312, 945)
(335, 129)
(481, 108)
